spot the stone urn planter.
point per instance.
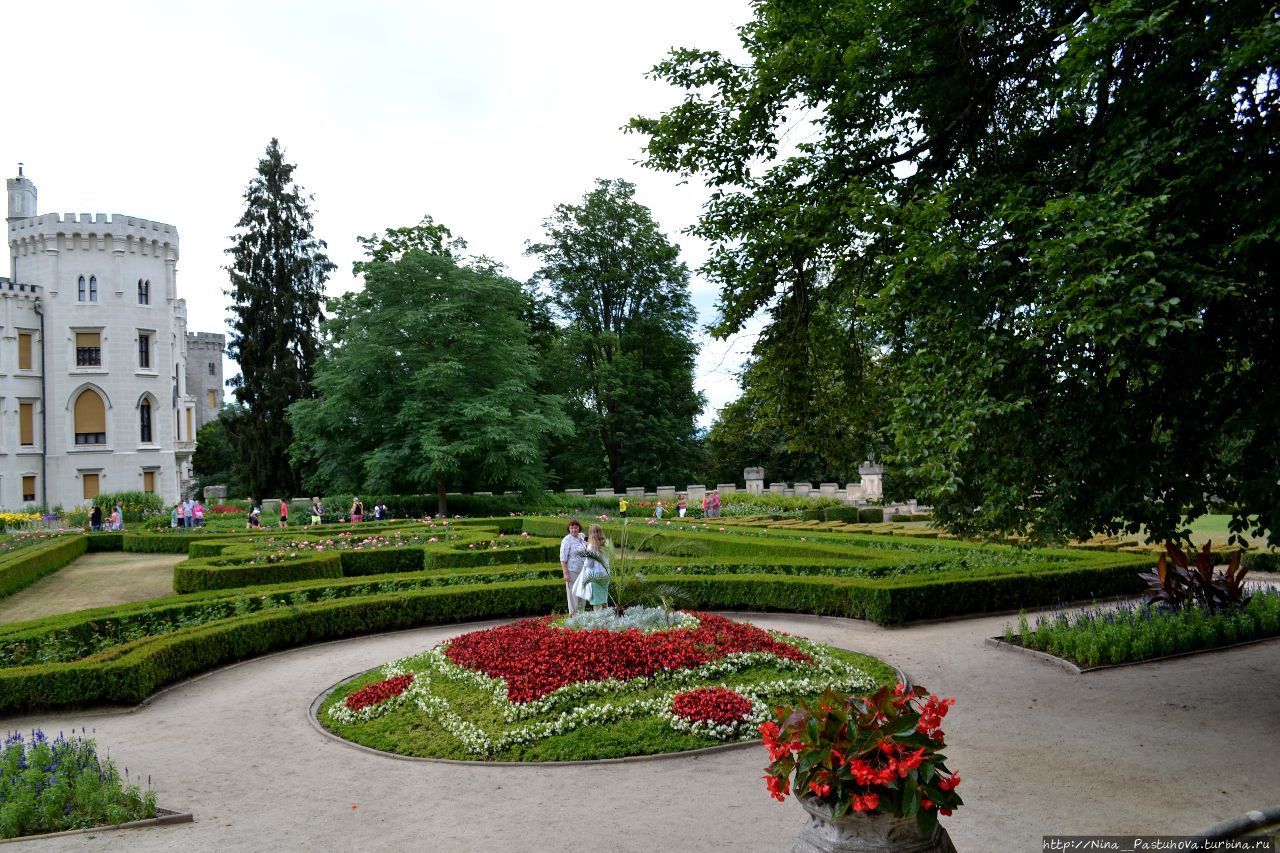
(862, 832)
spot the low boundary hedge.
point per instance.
(27, 565)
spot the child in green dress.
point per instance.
(597, 569)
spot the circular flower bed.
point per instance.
(536, 690)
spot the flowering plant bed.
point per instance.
(61, 784)
(1130, 633)
(536, 691)
(880, 754)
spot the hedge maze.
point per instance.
(243, 595)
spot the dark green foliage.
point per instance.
(214, 461)
(629, 357)
(278, 269)
(1262, 561)
(427, 382)
(871, 515)
(162, 543)
(1052, 224)
(201, 575)
(105, 541)
(25, 566)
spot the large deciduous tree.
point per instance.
(278, 269)
(629, 356)
(427, 382)
(1058, 219)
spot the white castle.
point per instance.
(93, 358)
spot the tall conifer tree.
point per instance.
(278, 269)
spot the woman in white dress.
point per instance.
(596, 567)
(571, 560)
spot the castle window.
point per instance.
(26, 424)
(149, 481)
(29, 488)
(211, 369)
(83, 292)
(144, 421)
(88, 349)
(93, 288)
(90, 485)
(91, 419)
(144, 351)
(144, 292)
(213, 399)
(24, 350)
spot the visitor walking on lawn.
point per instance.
(316, 511)
(715, 504)
(357, 511)
(571, 547)
(682, 506)
(284, 513)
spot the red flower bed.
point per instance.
(711, 705)
(536, 659)
(380, 692)
(229, 510)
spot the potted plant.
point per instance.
(869, 770)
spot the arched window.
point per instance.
(93, 288)
(90, 418)
(83, 292)
(144, 421)
(144, 292)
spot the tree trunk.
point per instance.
(441, 506)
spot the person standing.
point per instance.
(595, 566)
(682, 506)
(316, 511)
(715, 504)
(357, 511)
(95, 518)
(571, 547)
(284, 513)
(117, 518)
(175, 517)
(188, 513)
(657, 511)
(623, 503)
(197, 512)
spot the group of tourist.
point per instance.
(316, 511)
(188, 513)
(585, 566)
(116, 521)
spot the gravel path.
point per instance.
(1162, 748)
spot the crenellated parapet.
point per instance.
(114, 232)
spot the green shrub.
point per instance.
(201, 575)
(381, 561)
(105, 541)
(137, 506)
(871, 515)
(24, 567)
(847, 514)
(1261, 561)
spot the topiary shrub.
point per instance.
(871, 515)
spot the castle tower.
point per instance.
(22, 197)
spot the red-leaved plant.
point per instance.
(878, 754)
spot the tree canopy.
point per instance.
(426, 381)
(278, 270)
(627, 353)
(1056, 221)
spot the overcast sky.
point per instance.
(484, 115)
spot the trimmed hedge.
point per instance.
(25, 566)
(871, 515)
(200, 575)
(151, 663)
(1261, 561)
(105, 541)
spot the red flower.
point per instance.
(926, 804)
(713, 705)
(379, 692)
(535, 659)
